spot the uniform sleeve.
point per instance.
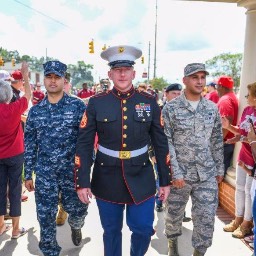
(160, 144)
(168, 128)
(217, 145)
(85, 146)
(30, 146)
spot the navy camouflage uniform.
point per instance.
(196, 150)
(50, 136)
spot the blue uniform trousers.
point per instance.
(139, 219)
(47, 187)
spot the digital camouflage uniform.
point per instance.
(50, 138)
(196, 149)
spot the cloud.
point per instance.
(186, 31)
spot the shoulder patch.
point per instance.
(83, 122)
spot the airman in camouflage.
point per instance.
(194, 132)
(50, 139)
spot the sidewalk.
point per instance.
(92, 245)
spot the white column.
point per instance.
(248, 73)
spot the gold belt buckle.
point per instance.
(124, 154)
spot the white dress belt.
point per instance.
(123, 154)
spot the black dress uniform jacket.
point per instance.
(123, 121)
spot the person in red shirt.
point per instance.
(85, 92)
(228, 107)
(11, 152)
(38, 95)
(212, 93)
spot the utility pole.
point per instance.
(155, 43)
(148, 60)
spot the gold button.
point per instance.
(128, 94)
(124, 145)
(101, 163)
(77, 170)
(77, 178)
(125, 127)
(119, 94)
(78, 186)
(125, 117)
(143, 120)
(125, 108)
(124, 101)
(105, 120)
(144, 163)
(125, 136)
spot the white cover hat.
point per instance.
(121, 56)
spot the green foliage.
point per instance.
(80, 73)
(158, 83)
(226, 64)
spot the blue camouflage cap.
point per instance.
(55, 67)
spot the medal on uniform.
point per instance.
(142, 109)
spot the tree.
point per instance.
(81, 73)
(226, 64)
(158, 83)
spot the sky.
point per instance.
(187, 31)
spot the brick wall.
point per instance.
(227, 197)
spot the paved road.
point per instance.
(223, 243)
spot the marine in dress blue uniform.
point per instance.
(125, 121)
(50, 138)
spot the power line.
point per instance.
(43, 14)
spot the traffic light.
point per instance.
(1, 61)
(13, 62)
(104, 47)
(142, 60)
(91, 47)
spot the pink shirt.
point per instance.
(245, 153)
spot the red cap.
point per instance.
(225, 81)
(17, 75)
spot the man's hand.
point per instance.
(84, 194)
(179, 183)
(29, 184)
(163, 193)
(24, 70)
(219, 178)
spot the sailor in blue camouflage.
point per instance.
(50, 137)
(196, 150)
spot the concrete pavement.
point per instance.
(92, 245)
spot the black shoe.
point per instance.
(76, 236)
(186, 219)
(159, 208)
